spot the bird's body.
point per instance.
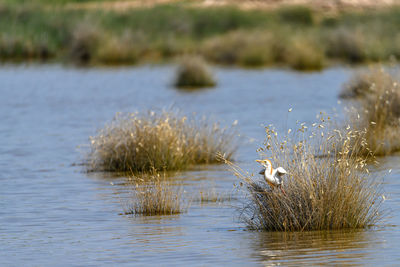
(272, 176)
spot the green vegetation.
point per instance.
(194, 73)
(153, 194)
(327, 186)
(295, 36)
(377, 110)
(161, 141)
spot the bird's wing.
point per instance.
(277, 176)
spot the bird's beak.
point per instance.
(258, 160)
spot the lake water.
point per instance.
(54, 213)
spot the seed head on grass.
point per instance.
(153, 194)
(328, 185)
(162, 141)
(193, 72)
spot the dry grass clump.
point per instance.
(194, 72)
(162, 141)
(155, 195)
(377, 111)
(328, 185)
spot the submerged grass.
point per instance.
(228, 35)
(193, 72)
(162, 141)
(153, 194)
(377, 110)
(328, 185)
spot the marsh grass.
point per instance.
(162, 141)
(377, 110)
(328, 185)
(154, 194)
(193, 72)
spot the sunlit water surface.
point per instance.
(54, 213)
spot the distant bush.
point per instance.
(345, 44)
(124, 50)
(162, 141)
(83, 43)
(249, 49)
(304, 55)
(296, 15)
(193, 72)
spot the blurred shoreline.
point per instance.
(297, 34)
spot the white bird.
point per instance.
(272, 176)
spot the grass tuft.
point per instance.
(193, 72)
(162, 141)
(328, 185)
(377, 110)
(155, 195)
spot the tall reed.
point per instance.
(328, 185)
(162, 141)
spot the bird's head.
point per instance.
(266, 163)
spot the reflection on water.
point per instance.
(51, 206)
(334, 247)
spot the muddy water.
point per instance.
(52, 212)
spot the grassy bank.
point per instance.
(295, 36)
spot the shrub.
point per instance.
(304, 55)
(345, 44)
(247, 49)
(162, 141)
(83, 43)
(296, 15)
(193, 72)
(327, 186)
(125, 50)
